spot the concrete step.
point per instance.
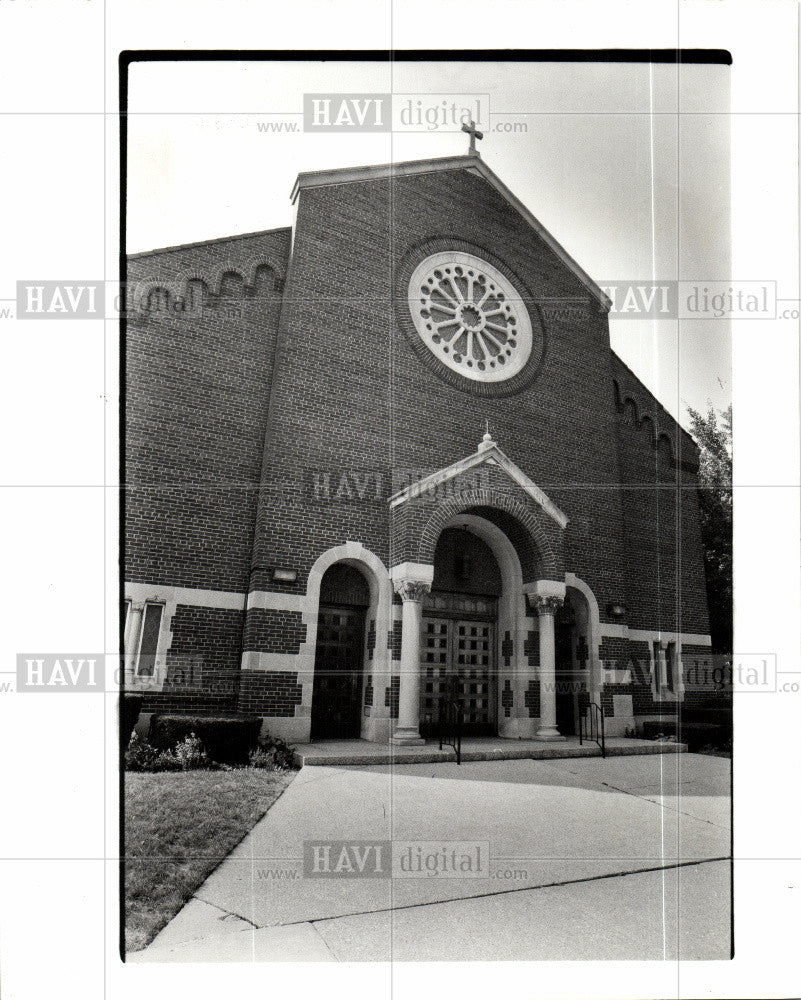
(332, 753)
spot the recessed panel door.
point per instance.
(337, 693)
(466, 649)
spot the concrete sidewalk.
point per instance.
(344, 753)
(564, 838)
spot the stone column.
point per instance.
(546, 596)
(411, 581)
(133, 630)
(546, 609)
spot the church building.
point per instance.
(387, 456)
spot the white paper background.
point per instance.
(58, 405)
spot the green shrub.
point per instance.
(273, 754)
(140, 755)
(188, 755)
(226, 740)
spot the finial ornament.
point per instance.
(474, 134)
(486, 441)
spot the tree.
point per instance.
(713, 434)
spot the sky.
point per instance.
(626, 165)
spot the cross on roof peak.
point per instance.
(472, 131)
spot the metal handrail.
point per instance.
(451, 718)
(596, 730)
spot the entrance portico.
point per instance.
(488, 496)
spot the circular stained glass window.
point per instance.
(470, 316)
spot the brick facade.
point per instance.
(273, 631)
(273, 406)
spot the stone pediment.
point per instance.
(488, 454)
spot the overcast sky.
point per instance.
(627, 165)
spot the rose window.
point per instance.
(470, 316)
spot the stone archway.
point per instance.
(376, 724)
(527, 700)
(540, 558)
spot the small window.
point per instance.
(151, 626)
(665, 668)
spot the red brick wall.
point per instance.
(269, 692)
(269, 631)
(203, 662)
(197, 392)
(350, 392)
(658, 465)
(219, 492)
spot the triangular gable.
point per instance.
(347, 175)
(489, 453)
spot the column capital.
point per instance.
(546, 605)
(412, 580)
(411, 590)
(545, 588)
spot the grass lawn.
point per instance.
(179, 826)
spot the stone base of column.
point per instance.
(549, 735)
(407, 738)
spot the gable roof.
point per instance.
(489, 452)
(624, 376)
(205, 243)
(473, 164)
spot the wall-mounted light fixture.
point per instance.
(284, 575)
(617, 610)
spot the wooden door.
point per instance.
(337, 692)
(465, 648)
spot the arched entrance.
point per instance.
(339, 654)
(573, 636)
(458, 640)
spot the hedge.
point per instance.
(226, 740)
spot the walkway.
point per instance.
(616, 858)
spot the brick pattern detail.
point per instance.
(507, 698)
(197, 391)
(394, 640)
(270, 631)
(417, 524)
(392, 697)
(614, 653)
(371, 639)
(531, 648)
(368, 691)
(532, 699)
(269, 692)
(507, 649)
(202, 663)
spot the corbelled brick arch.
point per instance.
(539, 558)
(245, 270)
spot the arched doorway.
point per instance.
(339, 654)
(573, 667)
(459, 632)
